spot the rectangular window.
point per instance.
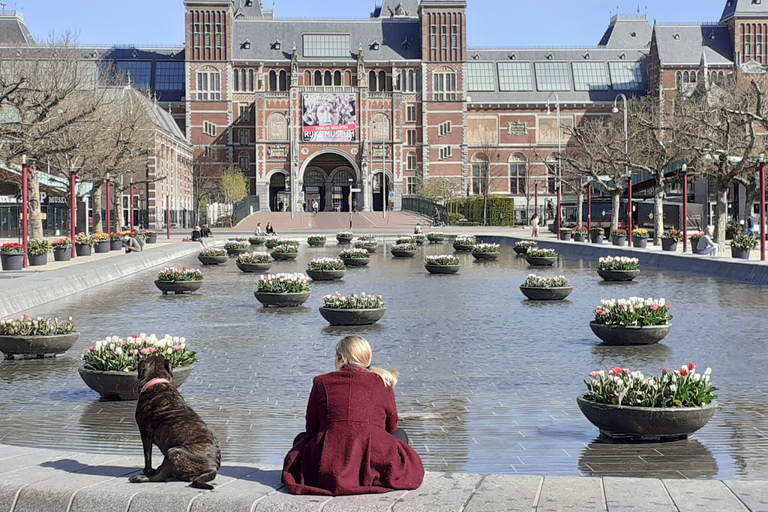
(626, 75)
(410, 113)
(411, 137)
(515, 76)
(517, 178)
(209, 128)
(590, 76)
(411, 162)
(245, 163)
(747, 46)
(411, 185)
(445, 152)
(139, 73)
(455, 37)
(245, 137)
(444, 128)
(245, 113)
(758, 46)
(480, 76)
(208, 86)
(444, 37)
(552, 76)
(444, 86)
(169, 76)
(327, 45)
(434, 37)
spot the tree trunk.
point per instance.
(35, 213)
(658, 212)
(752, 193)
(615, 206)
(721, 214)
(579, 207)
(96, 207)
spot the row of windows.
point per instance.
(209, 128)
(444, 128)
(327, 45)
(209, 85)
(684, 78)
(169, 76)
(445, 152)
(755, 35)
(444, 86)
(553, 76)
(519, 180)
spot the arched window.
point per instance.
(242, 80)
(337, 78)
(383, 81)
(308, 78)
(272, 80)
(318, 78)
(236, 84)
(244, 162)
(410, 161)
(328, 79)
(250, 80)
(314, 179)
(283, 85)
(372, 81)
(518, 174)
(480, 173)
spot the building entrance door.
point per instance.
(278, 193)
(382, 186)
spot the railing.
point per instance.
(425, 206)
(244, 208)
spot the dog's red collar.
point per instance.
(153, 382)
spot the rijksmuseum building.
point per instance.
(316, 110)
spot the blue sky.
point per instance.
(492, 23)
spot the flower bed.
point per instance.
(124, 355)
(326, 264)
(283, 283)
(534, 281)
(618, 263)
(633, 311)
(486, 248)
(38, 326)
(361, 301)
(180, 274)
(354, 253)
(250, 258)
(62, 243)
(12, 248)
(212, 251)
(684, 387)
(442, 259)
(535, 252)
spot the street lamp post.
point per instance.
(589, 207)
(130, 203)
(351, 183)
(627, 174)
(25, 209)
(536, 199)
(762, 206)
(72, 210)
(109, 215)
(559, 160)
(685, 208)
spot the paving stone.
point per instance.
(243, 487)
(439, 492)
(571, 493)
(505, 492)
(365, 503)
(281, 501)
(33, 458)
(698, 495)
(637, 495)
(8, 451)
(753, 494)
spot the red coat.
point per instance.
(349, 448)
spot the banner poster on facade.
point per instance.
(329, 117)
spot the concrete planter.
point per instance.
(253, 267)
(316, 243)
(115, 245)
(579, 237)
(541, 261)
(113, 385)
(12, 261)
(212, 260)
(63, 254)
(742, 254)
(284, 256)
(462, 247)
(640, 242)
(234, 251)
(257, 240)
(36, 346)
(101, 247)
(442, 269)
(271, 243)
(352, 316)
(668, 244)
(546, 293)
(485, 256)
(646, 423)
(596, 238)
(618, 275)
(435, 239)
(630, 334)
(521, 250)
(151, 239)
(38, 260)
(371, 249)
(344, 239)
(420, 241)
(399, 253)
(326, 275)
(620, 241)
(178, 286)
(282, 300)
(356, 262)
(83, 249)
(565, 235)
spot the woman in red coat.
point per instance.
(352, 444)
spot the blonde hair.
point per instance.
(356, 350)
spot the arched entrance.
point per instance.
(279, 193)
(382, 186)
(328, 179)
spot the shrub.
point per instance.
(744, 242)
(37, 246)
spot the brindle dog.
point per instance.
(191, 451)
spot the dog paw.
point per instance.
(138, 479)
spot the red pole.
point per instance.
(168, 216)
(25, 208)
(72, 210)
(109, 218)
(589, 207)
(762, 210)
(629, 207)
(685, 210)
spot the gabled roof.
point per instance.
(744, 9)
(397, 8)
(682, 45)
(627, 31)
(13, 30)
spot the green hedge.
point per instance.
(472, 209)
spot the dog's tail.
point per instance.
(199, 482)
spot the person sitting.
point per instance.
(206, 231)
(258, 231)
(130, 244)
(270, 229)
(196, 234)
(706, 245)
(417, 229)
(352, 444)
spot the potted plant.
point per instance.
(627, 404)
(618, 268)
(254, 261)
(367, 243)
(694, 240)
(355, 257)
(12, 256)
(670, 238)
(619, 237)
(316, 240)
(362, 309)
(235, 247)
(541, 257)
(579, 233)
(407, 239)
(640, 238)
(326, 269)
(271, 242)
(464, 242)
(100, 243)
(110, 367)
(151, 237)
(282, 290)
(596, 234)
(633, 321)
(116, 241)
(257, 240)
(565, 233)
(486, 251)
(741, 245)
(179, 280)
(442, 264)
(344, 237)
(419, 238)
(36, 337)
(285, 252)
(212, 256)
(38, 249)
(435, 237)
(546, 288)
(62, 249)
(404, 250)
(522, 246)
(83, 244)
